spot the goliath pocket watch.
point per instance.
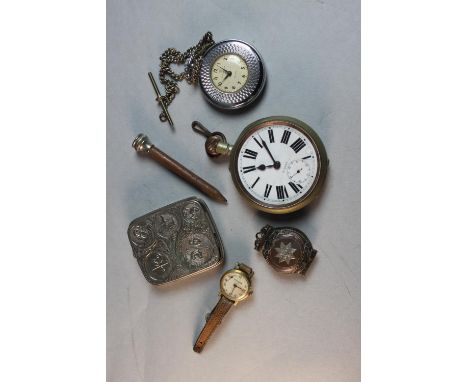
(235, 286)
(278, 164)
(231, 73)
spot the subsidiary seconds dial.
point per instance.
(299, 171)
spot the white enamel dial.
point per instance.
(229, 73)
(277, 165)
(235, 285)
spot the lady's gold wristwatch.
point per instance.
(235, 286)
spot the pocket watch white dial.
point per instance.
(278, 164)
(232, 74)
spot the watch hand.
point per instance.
(227, 75)
(297, 172)
(276, 164)
(263, 167)
(238, 287)
(227, 71)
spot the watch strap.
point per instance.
(212, 322)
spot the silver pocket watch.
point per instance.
(231, 74)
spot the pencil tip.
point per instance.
(221, 198)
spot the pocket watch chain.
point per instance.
(192, 59)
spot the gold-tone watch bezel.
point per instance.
(322, 164)
(221, 289)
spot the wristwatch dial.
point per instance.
(229, 73)
(278, 165)
(235, 285)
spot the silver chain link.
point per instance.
(192, 59)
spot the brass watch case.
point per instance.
(322, 164)
(244, 296)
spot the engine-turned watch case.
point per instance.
(232, 74)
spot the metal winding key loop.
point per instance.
(216, 143)
(199, 128)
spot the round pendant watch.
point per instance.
(232, 74)
(278, 164)
(286, 249)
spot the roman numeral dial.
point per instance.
(271, 136)
(296, 187)
(250, 154)
(248, 169)
(277, 165)
(281, 192)
(298, 145)
(285, 137)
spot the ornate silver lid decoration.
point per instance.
(176, 241)
(286, 249)
(285, 253)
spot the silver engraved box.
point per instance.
(176, 241)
